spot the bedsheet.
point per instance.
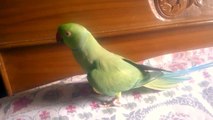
(73, 99)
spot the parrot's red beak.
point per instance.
(59, 39)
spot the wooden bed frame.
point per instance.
(137, 29)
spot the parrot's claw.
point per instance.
(112, 103)
(116, 102)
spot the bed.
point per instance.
(43, 81)
(72, 98)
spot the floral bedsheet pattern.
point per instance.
(73, 99)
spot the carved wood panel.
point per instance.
(171, 9)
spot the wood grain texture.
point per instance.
(34, 22)
(4, 75)
(28, 67)
(176, 9)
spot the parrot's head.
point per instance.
(72, 34)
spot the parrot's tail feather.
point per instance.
(190, 70)
(171, 79)
(165, 82)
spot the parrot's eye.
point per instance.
(68, 33)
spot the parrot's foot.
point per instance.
(115, 102)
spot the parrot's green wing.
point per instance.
(156, 78)
(112, 75)
(145, 67)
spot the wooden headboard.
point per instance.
(137, 29)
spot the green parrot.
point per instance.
(111, 74)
